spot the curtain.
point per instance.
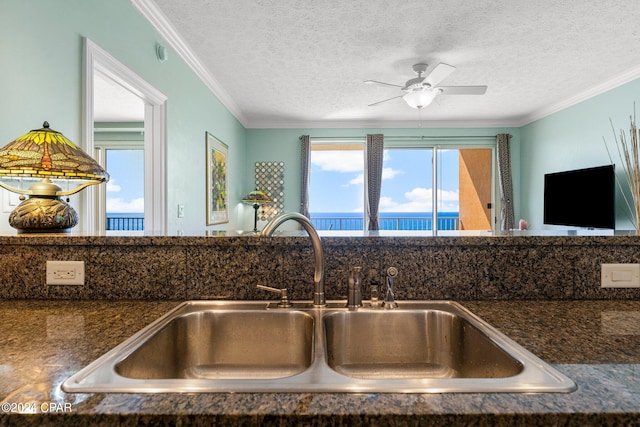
(506, 185)
(375, 150)
(305, 162)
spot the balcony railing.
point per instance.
(118, 223)
(386, 223)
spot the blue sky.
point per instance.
(125, 189)
(337, 181)
(336, 184)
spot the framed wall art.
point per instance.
(217, 176)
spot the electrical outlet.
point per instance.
(65, 272)
(620, 275)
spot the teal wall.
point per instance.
(41, 52)
(573, 139)
(284, 145)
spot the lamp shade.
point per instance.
(40, 156)
(420, 98)
(256, 197)
(47, 153)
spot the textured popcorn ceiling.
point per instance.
(293, 63)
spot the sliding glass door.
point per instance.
(424, 188)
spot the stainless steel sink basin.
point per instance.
(252, 346)
(413, 344)
(215, 344)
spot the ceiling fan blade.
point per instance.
(375, 82)
(438, 74)
(463, 90)
(380, 102)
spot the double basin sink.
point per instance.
(251, 346)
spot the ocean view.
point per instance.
(326, 221)
(387, 221)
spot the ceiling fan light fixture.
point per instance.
(420, 98)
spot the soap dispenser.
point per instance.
(354, 296)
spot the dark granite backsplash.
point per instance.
(204, 267)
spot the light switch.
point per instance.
(620, 275)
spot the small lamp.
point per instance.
(256, 198)
(41, 156)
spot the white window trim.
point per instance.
(97, 60)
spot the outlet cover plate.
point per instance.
(65, 272)
(620, 275)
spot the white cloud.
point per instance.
(419, 199)
(357, 180)
(334, 161)
(119, 205)
(387, 204)
(347, 161)
(390, 173)
(112, 187)
(387, 173)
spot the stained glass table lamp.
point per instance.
(42, 159)
(256, 198)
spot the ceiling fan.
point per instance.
(421, 91)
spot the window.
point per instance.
(462, 176)
(336, 186)
(406, 196)
(125, 190)
(463, 180)
(120, 205)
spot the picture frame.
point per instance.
(217, 180)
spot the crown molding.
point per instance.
(159, 21)
(384, 124)
(613, 83)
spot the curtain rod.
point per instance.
(422, 137)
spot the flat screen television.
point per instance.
(581, 197)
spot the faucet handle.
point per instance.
(389, 299)
(284, 295)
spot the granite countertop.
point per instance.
(421, 238)
(596, 343)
